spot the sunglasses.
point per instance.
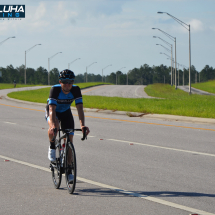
(67, 82)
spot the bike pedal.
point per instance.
(51, 167)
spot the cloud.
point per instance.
(196, 25)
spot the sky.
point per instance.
(110, 32)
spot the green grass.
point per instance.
(206, 86)
(169, 101)
(9, 86)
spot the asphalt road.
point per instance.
(127, 166)
(194, 90)
(126, 91)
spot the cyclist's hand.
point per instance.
(87, 130)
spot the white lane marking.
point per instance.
(162, 147)
(10, 123)
(136, 92)
(82, 135)
(152, 199)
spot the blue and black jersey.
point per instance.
(63, 101)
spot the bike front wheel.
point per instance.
(70, 167)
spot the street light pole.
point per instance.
(188, 28)
(87, 67)
(127, 76)
(172, 80)
(172, 61)
(49, 66)
(116, 74)
(1, 44)
(72, 62)
(173, 39)
(25, 57)
(103, 69)
(6, 40)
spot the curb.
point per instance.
(134, 114)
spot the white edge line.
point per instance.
(10, 123)
(152, 199)
(162, 147)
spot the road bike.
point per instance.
(61, 165)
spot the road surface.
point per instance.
(127, 166)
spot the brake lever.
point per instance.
(84, 134)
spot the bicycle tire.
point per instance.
(56, 168)
(72, 169)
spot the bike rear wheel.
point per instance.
(56, 168)
(70, 168)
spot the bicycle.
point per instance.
(61, 164)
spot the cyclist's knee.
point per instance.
(71, 138)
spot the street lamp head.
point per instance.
(153, 28)
(160, 12)
(154, 36)
(157, 44)
(13, 37)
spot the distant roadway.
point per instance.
(126, 91)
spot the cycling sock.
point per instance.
(52, 145)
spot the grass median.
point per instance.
(169, 101)
(208, 86)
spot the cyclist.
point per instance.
(58, 108)
(14, 83)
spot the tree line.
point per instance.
(138, 76)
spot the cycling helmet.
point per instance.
(66, 74)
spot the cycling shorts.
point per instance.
(66, 118)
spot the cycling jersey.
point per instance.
(62, 100)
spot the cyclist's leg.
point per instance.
(67, 122)
(50, 134)
(51, 151)
(49, 123)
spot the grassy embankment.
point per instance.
(175, 102)
(9, 86)
(208, 86)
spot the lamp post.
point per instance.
(6, 40)
(103, 69)
(49, 66)
(25, 57)
(87, 67)
(116, 73)
(1, 44)
(173, 39)
(186, 26)
(127, 76)
(172, 80)
(183, 72)
(73, 61)
(172, 61)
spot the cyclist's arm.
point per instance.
(82, 117)
(52, 116)
(81, 114)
